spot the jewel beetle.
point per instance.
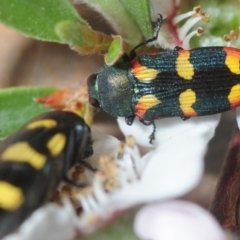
(35, 159)
(178, 82)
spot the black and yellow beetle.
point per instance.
(35, 159)
(154, 85)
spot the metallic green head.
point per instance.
(111, 90)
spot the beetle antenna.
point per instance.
(132, 53)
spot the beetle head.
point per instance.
(111, 90)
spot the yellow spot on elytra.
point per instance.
(45, 123)
(186, 100)
(234, 96)
(184, 68)
(144, 73)
(23, 152)
(144, 103)
(233, 62)
(56, 144)
(11, 197)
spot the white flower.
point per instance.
(51, 222)
(170, 170)
(171, 35)
(176, 220)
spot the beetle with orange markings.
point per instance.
(184, 83)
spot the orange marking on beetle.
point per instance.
(232, 60)
(143, 73)
(234, 96)
(144, 103)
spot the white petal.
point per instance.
(168, 128)
(238, 116)
(176, 220)
(103, 144)
(176, 166)
(50, 222)
(173, 169)
(163, 7)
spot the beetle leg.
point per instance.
(177, 48)
(129, 120)
(75, 184)
(132, 53)
(79, 185)
(152, 135)
(185, 118)
(146, 123)
(70, 181)
(88, 165)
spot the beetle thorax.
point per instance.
(115, 91)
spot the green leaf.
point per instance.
(82, 38)
(37, 19)
(119, 18)
(17, 107)
(114, 52)
(140, 12)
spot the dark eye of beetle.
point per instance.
(92, 80)
(94, 102)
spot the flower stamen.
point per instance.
(194, 16)
(199, 31)
(113, 175)
(232, 37)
